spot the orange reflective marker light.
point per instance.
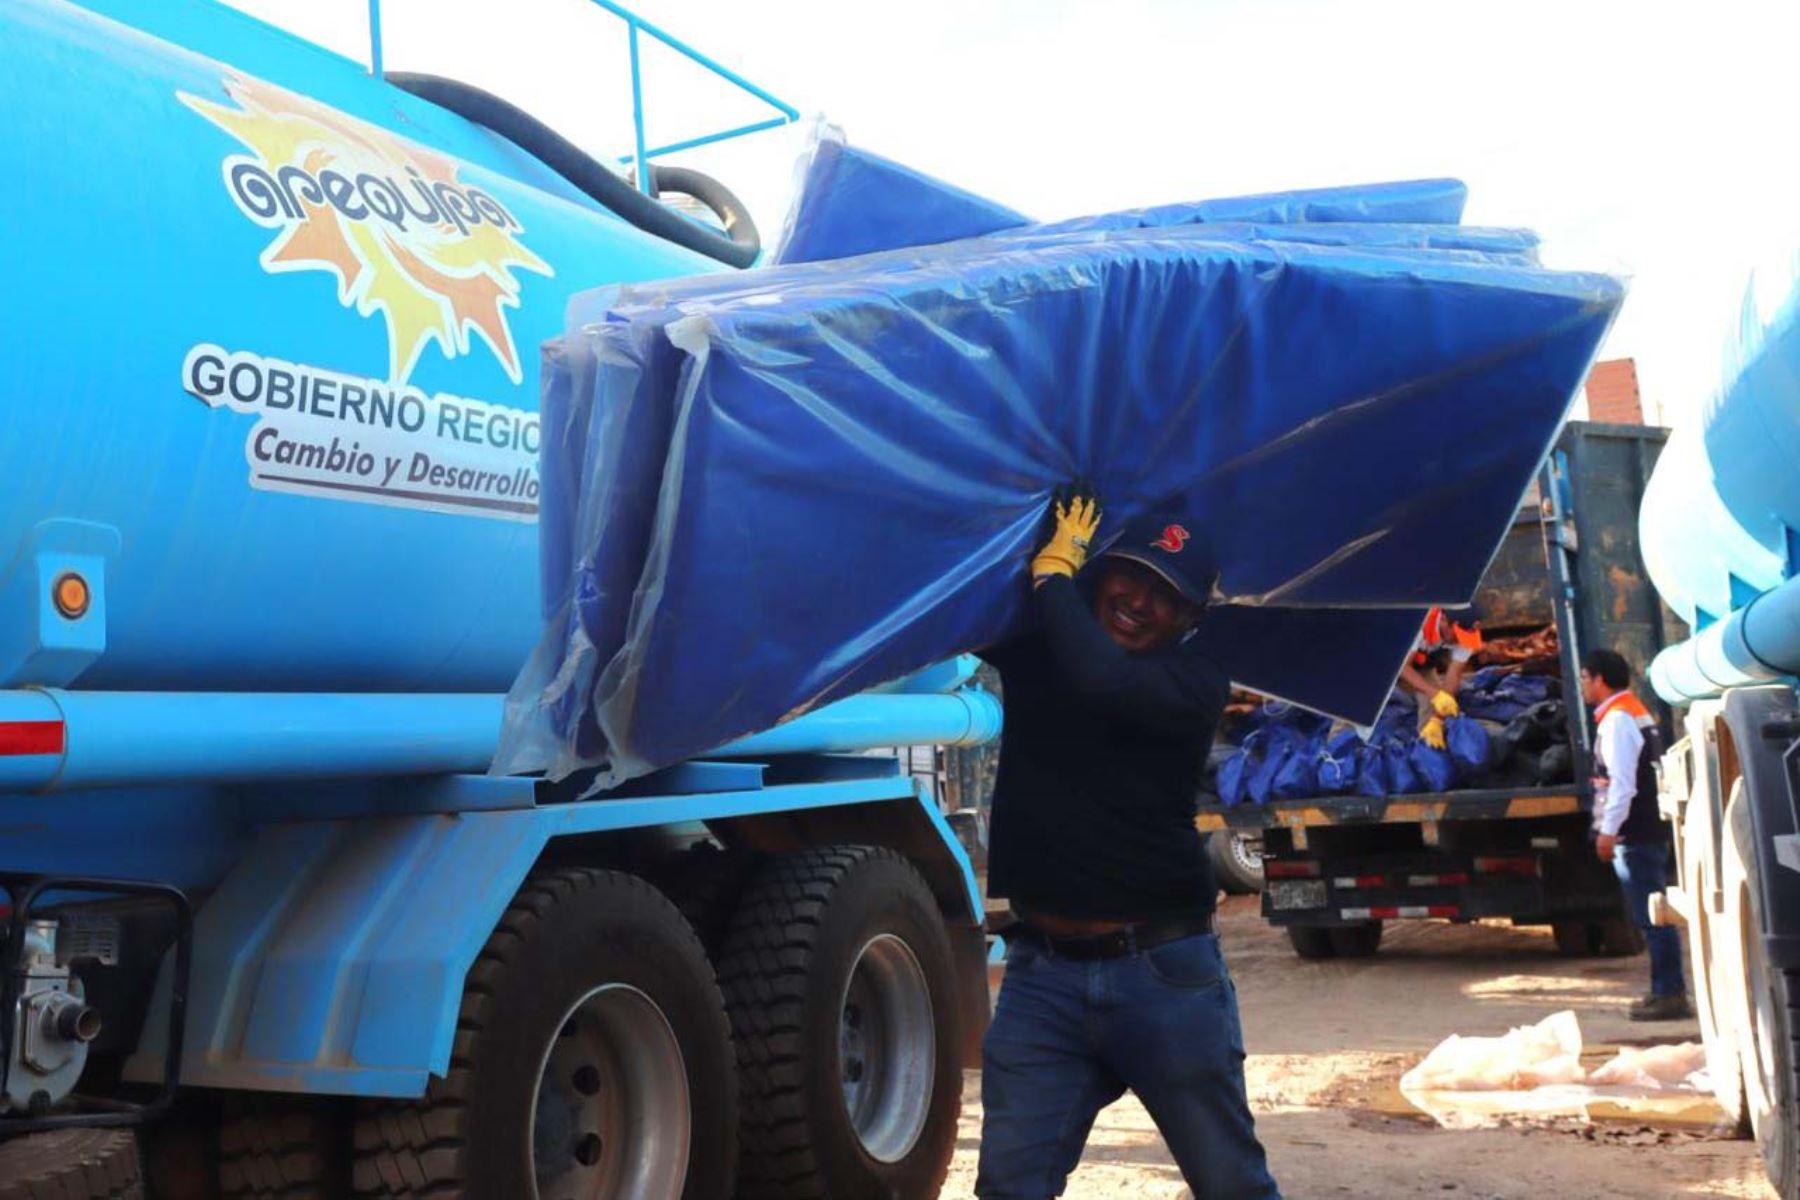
(71, 595)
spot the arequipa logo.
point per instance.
(405, 238)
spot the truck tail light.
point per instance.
(1506, 866)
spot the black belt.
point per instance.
(1133, 939)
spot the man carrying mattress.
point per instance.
(1114, 977)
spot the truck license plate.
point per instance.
(1296, 893)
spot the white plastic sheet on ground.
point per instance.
(1535, 1072)
(1527, 1057)
(1656, 1067)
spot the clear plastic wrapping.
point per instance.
(783, 487)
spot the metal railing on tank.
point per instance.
(641, 155)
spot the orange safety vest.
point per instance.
(1627, 703)
(1644, 822)
(1432, 639)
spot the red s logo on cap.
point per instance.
(1173, 538)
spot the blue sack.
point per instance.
(1401, 777)
(1233, 779)
(1337, 762)
(1468, 744)
(1398, 716)
(1371, 772)
(1288, 720)
(1336, 773)
(1261, 785)
(1433, 767)
(1298, 775)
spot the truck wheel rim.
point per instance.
(887, 1048)
(610, 1120)
(1248, 860)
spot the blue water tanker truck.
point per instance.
(268, 565)
(1720, 526)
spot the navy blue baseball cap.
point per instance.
(1175, 548)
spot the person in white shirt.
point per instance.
(1628, 829)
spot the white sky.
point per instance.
(1657, 139)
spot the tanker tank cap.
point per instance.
(71, 595)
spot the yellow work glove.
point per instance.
(1444, 704)
(1432, 733)
(1076, 516)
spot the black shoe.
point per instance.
(1662, 1008)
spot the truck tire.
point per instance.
(841, 988)
(1614, 937)
(704, 883)
(71, 1164)
(284, 1148)
(1237, 861)
(1619, 937)
(1574, 939)
(1312, 942)
(1767, 1017)
(591, 1048)
(1361, 940)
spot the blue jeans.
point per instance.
(1069, 1038)
(1643, 869)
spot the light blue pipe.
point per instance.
(122, 739)
(119, 739)
(867, 722)
(1757, 643)
(945, 676)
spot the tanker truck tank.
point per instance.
(1702, 561)
(274, 380)
(1720, 524)
(272, 416)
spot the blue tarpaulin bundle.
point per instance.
(1500, 694)
(767, 491)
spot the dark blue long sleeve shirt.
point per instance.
(1101, 763)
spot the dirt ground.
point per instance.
(1329, 1040)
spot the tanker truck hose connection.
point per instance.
(328, 432)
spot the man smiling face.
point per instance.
(1137, 608)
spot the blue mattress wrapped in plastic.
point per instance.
(768, 491)
(1413, 201)
(850, 201)
(604, 461)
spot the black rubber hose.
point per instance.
(738, 246)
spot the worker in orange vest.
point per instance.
(1446, 643)
(1629, 831)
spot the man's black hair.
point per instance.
(1610, 666)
